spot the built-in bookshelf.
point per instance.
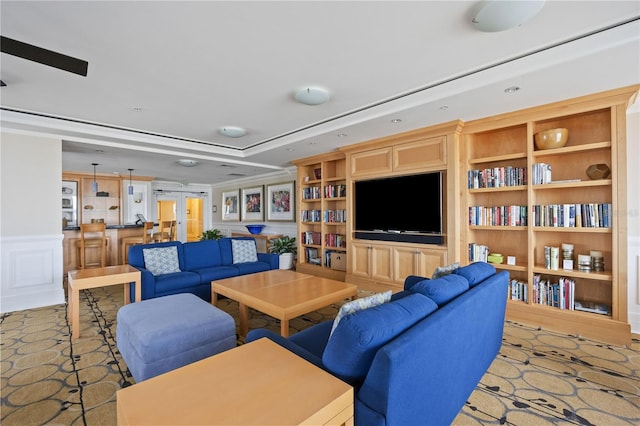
(322, 220)
(525, 203)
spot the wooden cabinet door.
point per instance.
(360, 260)
(421, 154)
(381, 263)
(428, 260)
(405, 263)
(374, 162)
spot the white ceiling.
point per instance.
(193, 67)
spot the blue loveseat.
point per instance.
(198, 263)
(415, 359)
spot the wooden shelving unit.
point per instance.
(322, 215)
(597, 134)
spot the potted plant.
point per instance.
(211, 234)
(286, 247)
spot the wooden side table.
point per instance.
(260, 383)
(265, 239)
(99, 277)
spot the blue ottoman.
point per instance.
(159, 335)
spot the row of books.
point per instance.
(311, 193)
(540, 173)
(558, 294)
(496, 177)
(310, 215)
(311, 256)
(478, 252)
(335, 191)
(310, 237)
(335, 240)
(331, 216)
(518, 290)
(586, 215)
(498, 216)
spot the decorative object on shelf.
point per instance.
(597, 261)
(511, 260)
(584, 263)
(318, 173)
(97, 220)
(284, 246)
(552, 138)
(130, 189)
(102, 194)
(254, 229)
(230, 205)
(88, 207)
(253, 203)
(598, 171)
(211, 234)
(281, 202)
(495, 258)
(94, 185)
(567, 256)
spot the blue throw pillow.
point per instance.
(443, 289)
(355, 341)
(476, 272)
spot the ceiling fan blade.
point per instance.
(43, 56)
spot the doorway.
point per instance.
(187, 209)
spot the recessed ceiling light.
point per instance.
(396, 120)
(187, 162)
(501, 15)
(512, 89)
(342, 135)
(444, 107)
(137, 109)
(233, 131)
(312, 95)
(290, 149)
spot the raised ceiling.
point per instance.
(165, 76)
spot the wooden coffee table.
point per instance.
(99, 277)
(282, 294)
(259, 383)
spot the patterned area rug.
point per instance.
(538, 378)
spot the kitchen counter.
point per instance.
(132, 225)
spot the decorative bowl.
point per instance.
(254, 229)
(552, 138)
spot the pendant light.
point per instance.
(94, 185)
(130, 184)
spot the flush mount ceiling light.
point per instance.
(512, 89)
(502, 15)
(233, 131)
(312, 95)
(187, 163)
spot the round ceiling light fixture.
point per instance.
(502, 15)
(312, 95)
(233, 131)
(187, 162)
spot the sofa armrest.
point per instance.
(411, 280)
(148, 284)
(271, 258)
(285, 343)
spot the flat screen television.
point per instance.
(400, 208)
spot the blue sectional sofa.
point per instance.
(190, 267)
(415, 359)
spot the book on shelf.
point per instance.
(311, 193)
(496, 177)
(593, 307)
(583, 215)
(518, 290)
(540, 173)
(559, 294)
(335, 240)
(311, 255)
(498, 216)
(311, 237)
(478, 252)
(310, 215)
(335, 191)
(332, 216)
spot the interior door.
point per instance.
(187, 209)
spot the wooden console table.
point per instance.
(259, 383)
(265, 239)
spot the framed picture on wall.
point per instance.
(253, 203)
(231, 205)
(281, 202)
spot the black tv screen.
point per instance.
(396, 208)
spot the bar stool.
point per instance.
(166, 231)
(146, 237)
(97, 238)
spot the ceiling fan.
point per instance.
(43, 56)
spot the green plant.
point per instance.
(211, 234)
(284, 244)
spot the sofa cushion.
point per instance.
(355, 341)
(161, 260)
(360, 304)
(177, 282)
(443, 289)
(476, 272)
(251, 267)
(441, 271)
(244, 251)
(201, 254)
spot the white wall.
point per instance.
(30, 221)
(633, 218)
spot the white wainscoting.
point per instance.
(31, 272)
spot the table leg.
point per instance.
(214, 298)
(138, 284)
(74, 312)
(244, 319)
(127, 294)
(284, 328)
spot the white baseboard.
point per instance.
(32, 272)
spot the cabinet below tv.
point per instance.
(401, 237)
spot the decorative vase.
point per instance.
(286, 261)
